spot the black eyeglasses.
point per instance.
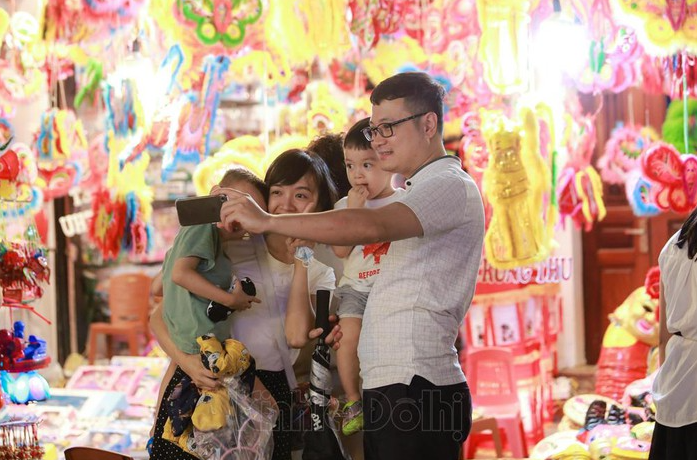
(385, 129)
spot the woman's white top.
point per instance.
(675, 387)
(262, 327)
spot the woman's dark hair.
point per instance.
(239, 173)
(329, 147)
(421, 93)
(290, 166)
(688, 234)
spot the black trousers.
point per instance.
(674, 443)
(416, 421)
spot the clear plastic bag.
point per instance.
(248, 433)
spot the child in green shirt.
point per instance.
(197, 271)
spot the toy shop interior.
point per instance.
(111, 110)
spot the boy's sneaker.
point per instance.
(353, 418)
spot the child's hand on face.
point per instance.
(238, 299)
(357, 197)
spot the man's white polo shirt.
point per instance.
(426, 284)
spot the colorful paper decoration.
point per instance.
(473, 151)
(20, 85)
(61, 137)
(87, 21)
(18, 177)
(579, 187)
(663, 26)
(94, 73)
(123, 110)
(514, 182)
(613, 64)
(390, 55)
(326, 114)
(23, 270)
(363, 24)
(674, 177)
(197, 116)
(220, 21)
(121, 211)
(503, 43)
(160, 132)
(62, 152)
(623, 150)
(438, 24)
(639, 194)
(307, 29)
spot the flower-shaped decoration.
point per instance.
(220, 21)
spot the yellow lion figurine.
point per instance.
(514, 183)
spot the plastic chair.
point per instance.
(490, 376)
(129, 302)
(486, 424)
(92, 453)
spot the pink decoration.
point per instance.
(674, 177)
(623, 150)
(675, 10)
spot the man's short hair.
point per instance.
(242, 174)
(355, 139)
(421, 93)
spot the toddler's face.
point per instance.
(245, 187)
(363, 170)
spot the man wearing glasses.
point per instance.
(416, 402)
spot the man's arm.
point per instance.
(342, 227)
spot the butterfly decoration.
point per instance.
(674, 177)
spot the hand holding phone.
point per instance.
(199, 210)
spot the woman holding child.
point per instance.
(273, 330)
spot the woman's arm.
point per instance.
(663, 334)
(299, 316)
(190, 364)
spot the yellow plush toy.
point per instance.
(230, 358)
(514, 183)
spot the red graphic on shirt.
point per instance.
(377, 250)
